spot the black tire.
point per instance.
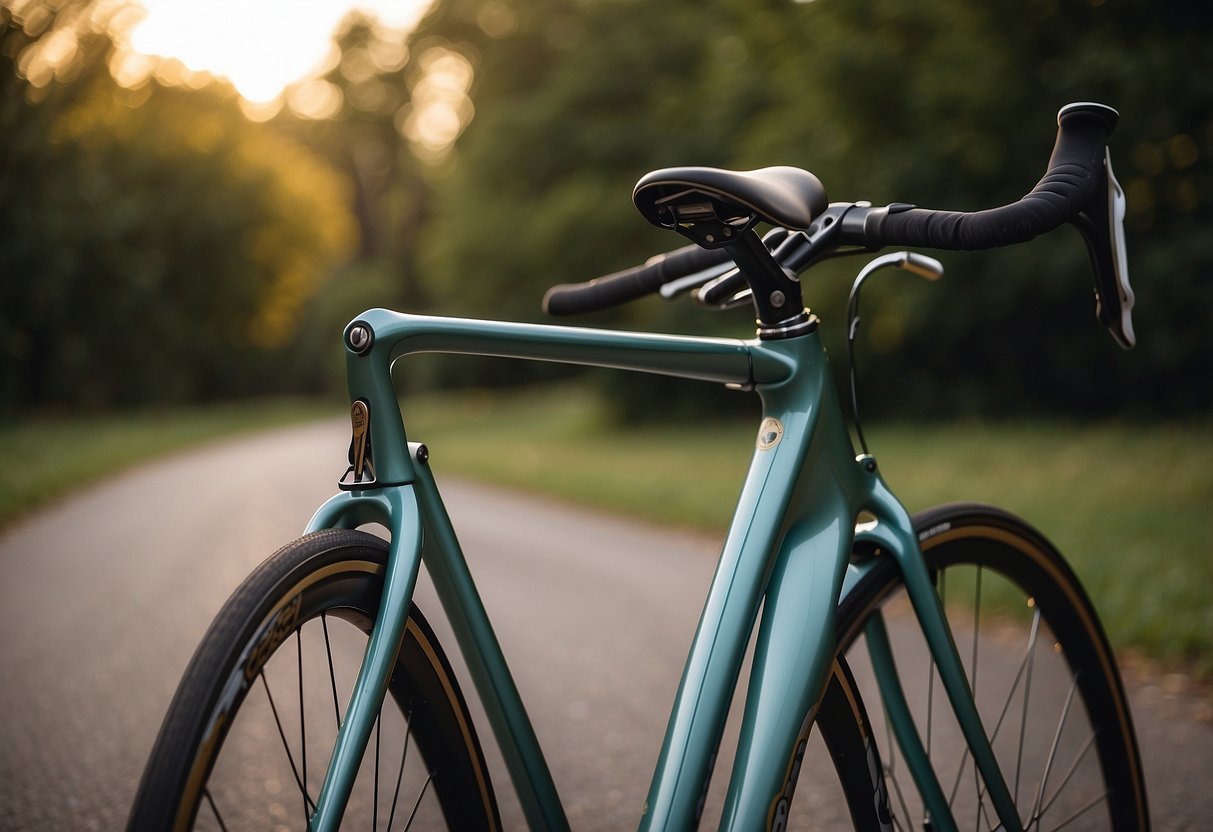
(842, 720)
(1034, 695)
(249, 732)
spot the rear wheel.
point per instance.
(249, 733)
(1037, 660)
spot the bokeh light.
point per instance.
(259, 47)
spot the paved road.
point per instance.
(105, 596)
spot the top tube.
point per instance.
(724, 360)
(384, 336)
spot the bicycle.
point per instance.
(817, 553)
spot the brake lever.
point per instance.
(1101, 225)
(740, 297)
(679, 287)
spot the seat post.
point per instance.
(777, 296)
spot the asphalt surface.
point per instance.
(105, 596)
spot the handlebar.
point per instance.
(1073, 175)
(1078, 187)
(630, 284)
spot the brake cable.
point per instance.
(912, 262)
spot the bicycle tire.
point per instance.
(203, 772)
(995, 546)
(842, 721)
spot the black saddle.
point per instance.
(730, 200)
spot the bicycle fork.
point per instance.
(894, 534)
(397, 508)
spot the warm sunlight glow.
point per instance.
(440, 107)
(259, 46)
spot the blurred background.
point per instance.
(195, 197)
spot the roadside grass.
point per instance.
(1131, 506)
(45, 457)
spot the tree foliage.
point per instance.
(949, 104)
(354, 115)
(155, 245)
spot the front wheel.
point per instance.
(248, 736)
(1044, 678)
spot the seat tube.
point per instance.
(754, 549)
(795, 647)
(706, 690)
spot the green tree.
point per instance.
(155, 245)
(948, 105)
(354, 114)
(359, 114)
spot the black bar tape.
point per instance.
(630, 284)
(1067, 187)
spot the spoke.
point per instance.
(976, 627)
(1073, 768)
(286, 746)
(1023, 664)
(214, 809)
(888, 736)
(890, 775)
(375, 805)
(964, 757)
(1061, 724)
(943, 600)
(400, 776)
(1027, 693)
(981, 814)
(416, 805)
(1094, 802)
(324, 622)
(1010, 696)
(900, 797)
(302, 722)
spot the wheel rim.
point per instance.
(1027, 698)
(271, 756)
(1041, 690)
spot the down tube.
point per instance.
(797, 429)
(795, 646)
(447, 567)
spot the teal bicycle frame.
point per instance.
(787, 553)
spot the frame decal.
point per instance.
(769, 433)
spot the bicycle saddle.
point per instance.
(783, 196)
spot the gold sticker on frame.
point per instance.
(360, 418)
(769, 433)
